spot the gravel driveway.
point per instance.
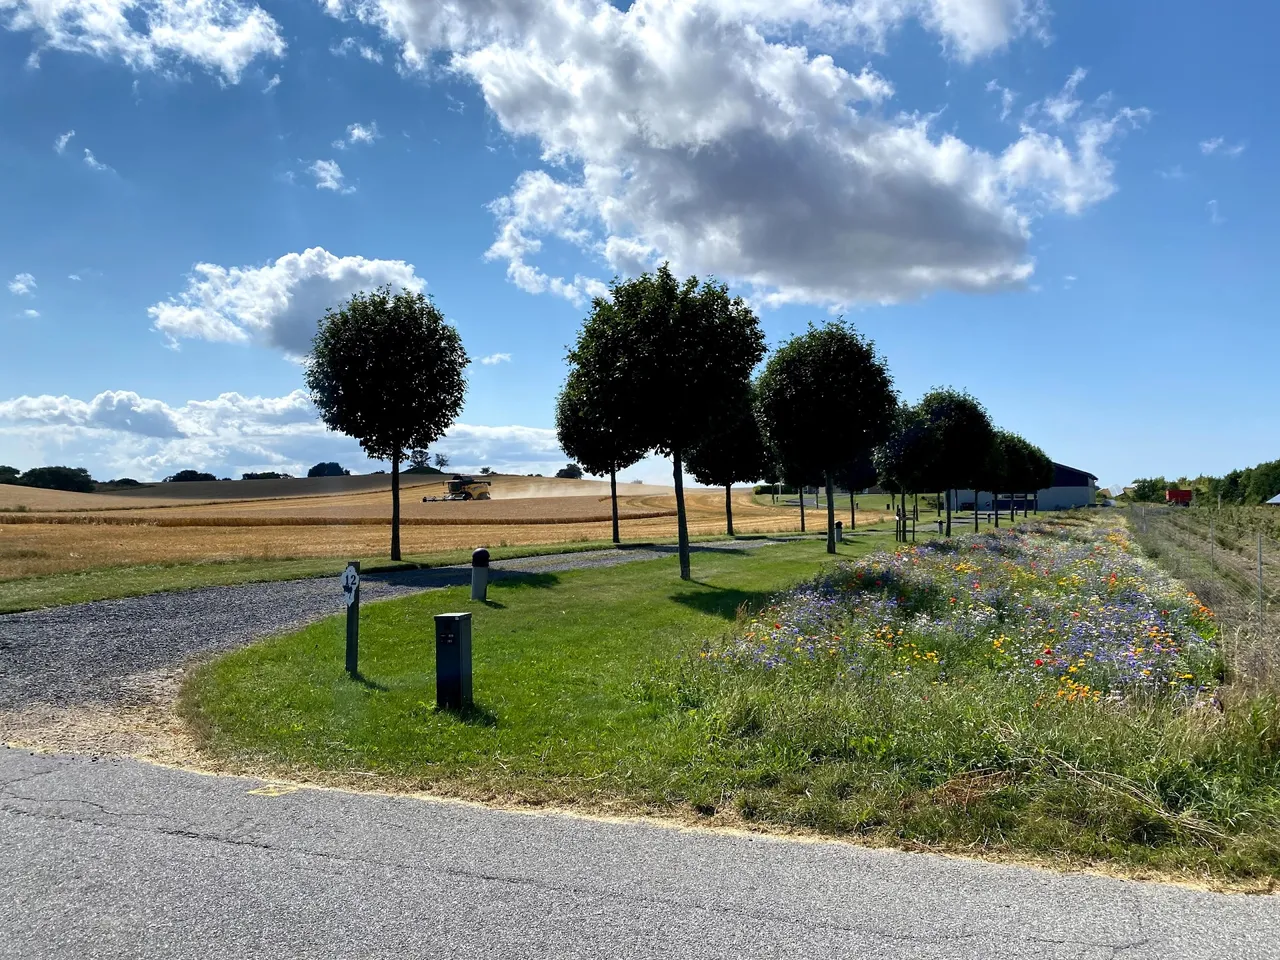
(95, 652)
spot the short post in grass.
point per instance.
(351, 593)
(453, 661)
(839, 531)
(480, 574)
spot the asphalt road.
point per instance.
(113, 858)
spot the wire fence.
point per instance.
(1234, 568)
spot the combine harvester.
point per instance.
(463, 488)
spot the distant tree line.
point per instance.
(74, 479)
(1248, 487)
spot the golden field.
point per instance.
(62, 532)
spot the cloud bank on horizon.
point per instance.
(147, 439)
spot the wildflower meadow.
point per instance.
(1046, 690)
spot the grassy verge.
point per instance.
(625, 688)
(115, 582)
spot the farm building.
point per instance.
(1071, 488)
(1274, 501)
(1180, 497)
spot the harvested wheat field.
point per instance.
(66, 537)
(334, 492)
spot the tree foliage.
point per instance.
(903, 463)
(388, 370)
(1252, 485)
(1149, 490)
(328, 469)
(9, 474)
(592, 424)
(733, 452)
(189, 476)
(825, 399)
(961, 436)
(570, 471)
(75, 479)
(680, 351)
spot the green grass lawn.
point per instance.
(561, 664)
(593, 688)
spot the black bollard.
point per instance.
(453, 661)
(480, 575)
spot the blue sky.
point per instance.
(1064, 208)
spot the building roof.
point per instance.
(1064, 476)
(1275, 500)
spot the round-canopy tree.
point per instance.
(1040, 471)
(681, 352)
(857, 475)
(594, 414)
(961, 436)
(903, 462)
(994, 473)
(825, 399)
(388, 370)
(732, 453)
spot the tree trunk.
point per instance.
(938, 503)
(975, 508)
(995, 508)
(682, 522)
(853, 511)
(395, 506)
(802, 530)
(831, 515)
(948, 512)
(613, 495)
(915, 508)
(728, 508)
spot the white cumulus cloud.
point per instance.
(60, 144)
(222, 36)
(494, 359)
(23, 285)
(329, 176)
(272, 83)
(357, 133)
(278, 304)
(702, 132)
(119, 433)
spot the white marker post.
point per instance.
(351, 593)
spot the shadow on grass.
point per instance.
(475, 715)
(368, 684)
(722, 601)
(459, 576)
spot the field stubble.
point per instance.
(34, 545)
